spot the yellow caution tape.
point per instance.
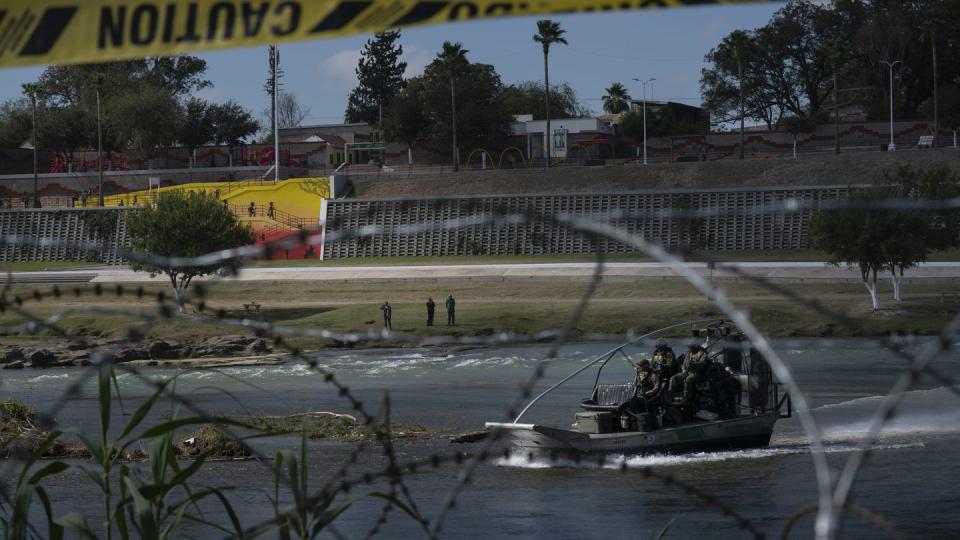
(71, 31)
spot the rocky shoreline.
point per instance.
(214, 351)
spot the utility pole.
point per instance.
(644, 83)
(276, 123)
(892, 146)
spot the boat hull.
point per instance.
(733, 434)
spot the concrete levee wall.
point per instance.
(737, 226)
(66, 230)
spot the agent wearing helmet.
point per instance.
(664, 361)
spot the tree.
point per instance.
(616, 100)
(855, 237)
(783, 68)
(452, 59)
(527, 97)
(891, 239)
(949, 105)
(64, 129)
(231, 124)
(179, 75)
(797, 126)
(451, 99)
(379, 77)
(181, 224)
(197, 128)
(405, 120)
(662, 121)
(151, 118)
(289, 110)
(792, 65)
(139, 98)
(14, 122)
(934, 183)
(548, 33)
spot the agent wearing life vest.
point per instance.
(664, 361)
(695, 366)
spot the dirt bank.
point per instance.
(816, 170)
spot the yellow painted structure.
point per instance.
(298, 197)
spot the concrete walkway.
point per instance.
(778, 271)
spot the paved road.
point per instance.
(790, 271)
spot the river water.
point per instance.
(910, 478)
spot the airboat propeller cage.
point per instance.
(761, 391)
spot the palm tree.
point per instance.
(548, 33)
(617, 99)
(453, 57)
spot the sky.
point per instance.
(668, 45)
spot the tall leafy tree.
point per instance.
(14, 122)
(662, 121)
(139, 98)
(379, 78)
(231, 124)
(405, 120)
(889, 239)
(435, 106)
(180, 75)
(792, 65)
(617, 99)
(452, 60)
(855, 237)
(64, 129)
(183, 224)
(548, 34)
(151, 118)
(527, 97)
(197, 128)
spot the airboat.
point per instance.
(736, 404)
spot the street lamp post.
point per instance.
(892, 146)
(31, 90)
(644, 83)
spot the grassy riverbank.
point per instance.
(484, 307)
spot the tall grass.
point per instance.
(155, 499)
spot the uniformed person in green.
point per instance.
(695, 366)
(664, 361)
(648, 384)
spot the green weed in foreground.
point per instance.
(149, 491)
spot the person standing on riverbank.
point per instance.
(431, 307)
(387, 316)
(451, 307)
